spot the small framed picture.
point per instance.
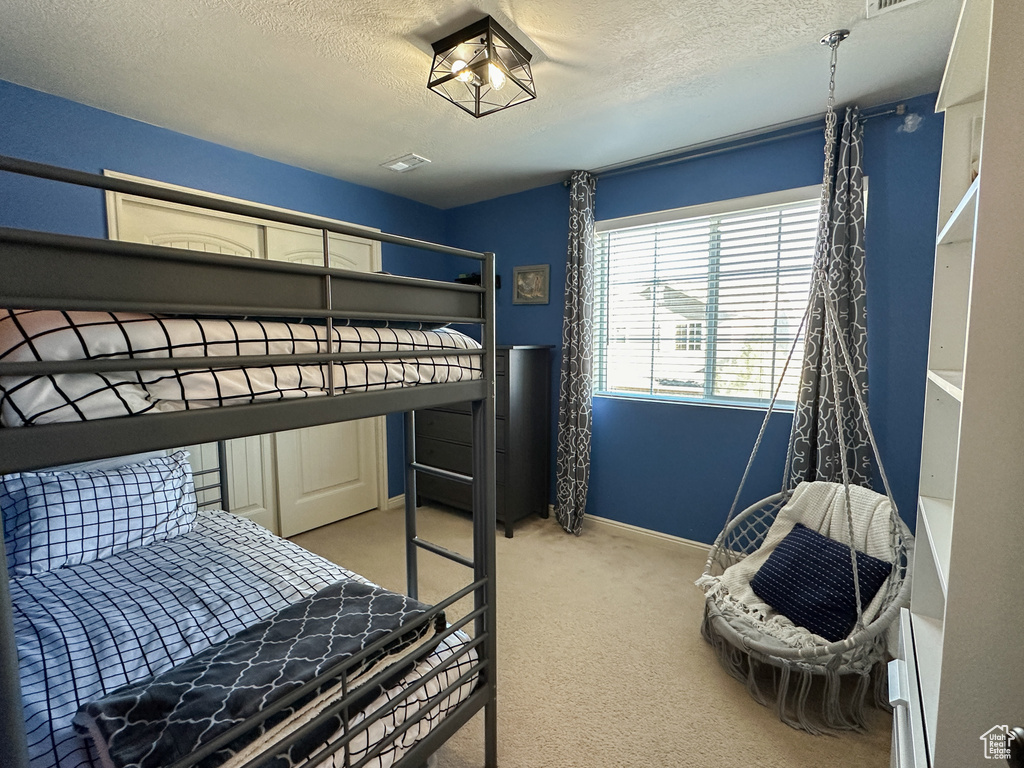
(530, 284)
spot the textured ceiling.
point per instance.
(338, 86)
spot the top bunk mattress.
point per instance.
(50, 335)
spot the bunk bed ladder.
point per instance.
(485, 505)
(413, 543)
(484, 517)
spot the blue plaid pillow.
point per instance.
(808, 578)
(53, 519)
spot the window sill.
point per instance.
(741, 405)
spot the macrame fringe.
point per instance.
(788, 686)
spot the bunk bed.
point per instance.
(405, 687)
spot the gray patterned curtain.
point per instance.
(572, 469)
(839, 271)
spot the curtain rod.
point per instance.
(742, 140)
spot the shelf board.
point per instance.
(951, 382)
(967, 66)
(928, 654)
(960, 226)
(938, 522)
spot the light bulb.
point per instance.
(464, 74)
(495, 77)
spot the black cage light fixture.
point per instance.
(482, 69)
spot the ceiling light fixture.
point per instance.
(482, 69)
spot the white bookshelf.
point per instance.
(951, 382)
(936, 515)
(962, 640)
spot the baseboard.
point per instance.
(646, 533)
(398, 502)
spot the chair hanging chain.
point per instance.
(832, 333)
(833, 40)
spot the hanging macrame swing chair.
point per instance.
(786, 577)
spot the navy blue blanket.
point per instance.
(157, 721)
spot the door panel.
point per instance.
(326, 473)
(159, 223)
(305, 246)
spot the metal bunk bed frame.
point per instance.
(63, 272)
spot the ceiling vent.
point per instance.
(878, 7)
(410, 161)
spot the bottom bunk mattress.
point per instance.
(88, 630)
(49, 335)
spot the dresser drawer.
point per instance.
(454, 426)
(456, 494)
(500, 400)
(454, 457)
(457, 427)
(501, 395)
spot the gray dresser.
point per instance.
(522, 438)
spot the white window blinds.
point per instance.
(704, 307)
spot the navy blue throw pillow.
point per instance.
(809, 580)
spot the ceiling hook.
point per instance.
(834, 38)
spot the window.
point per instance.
(688, 336)
(703, 303)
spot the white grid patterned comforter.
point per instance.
(33, 335)
(88, 629)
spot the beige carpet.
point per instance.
(601, 663)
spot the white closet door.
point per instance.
(329, 472)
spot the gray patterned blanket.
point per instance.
(157, 721)
(38, 335)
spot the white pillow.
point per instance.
(54, 519)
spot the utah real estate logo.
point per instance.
(997, 742)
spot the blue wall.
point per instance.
(48, 129)
(675, 467)
(37, 126)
